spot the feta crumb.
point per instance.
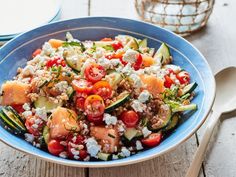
(74, 151)
(41, 113)
(92, 146)
(99, 52)
(28, 71)
(130, 56)
(26, 106)
(139, 145)
(127, 69)
(115, 62)
(35, 126)
(87, 158)
(76, 157)
(144, 96)
(29, 137)
(138, 106)
(63, 154)
(109, 119)
(47, 48)
(104, 62)
(146, 132)
(62, 86)
(114, 157)
(27, 114)
(88, 62)
(125, 152)
(137, 81)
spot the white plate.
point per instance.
(17, 16)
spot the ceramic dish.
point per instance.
(15, 53)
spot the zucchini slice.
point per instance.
(163, 53)
(12, 120)
(104, 156)
(165, 117)
(74, 63)
(143, 43)
(173, 122)
(181, 108)
(46, 135)
(189, 88)
(130, 133)
(113, 78)
(44, 102)
(70, 92)
(103, 43)
(132, 44)
(121, 99)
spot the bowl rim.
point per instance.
(130, 161)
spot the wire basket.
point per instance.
(180, 16)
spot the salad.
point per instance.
(96, 100)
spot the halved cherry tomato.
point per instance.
(94, 106)
(168, 81)
(103, 89)
(82, 86)
(130, 118)
(36, 52)
(152, 140)
(56, 62)
(18, 107)
(106, 39)
(30, 121)
(96, 120)
(55, 148)
(137, 65)
(76, 139)
(80, 103)
(117, 45)
(183, 77)
(94, 72)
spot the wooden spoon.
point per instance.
(225, 102)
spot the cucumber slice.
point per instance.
(46, 135)
(103, 43)
(189, 88)
(165, 116)
(132, 44)
(173, 122)
(163, 53)
(104, 156)
(74, 63)
(175, 68)
(121, 99)
(70, 92)
(143, 43)
(44, 102)
(181, 108)
(113, 78)
(12, 119)
(130, 133)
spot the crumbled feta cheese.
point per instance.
(114, 157)
(92, 146)
(87, 63)
(35, 126)
(125, 152)
(29, 137)
(144, 96)
(26, 106)
(47, 48)
(137, 81)
(87, 158)
(139, 145)
(27, 114)
(63, 154)
(154, 69)
(62, 86)
(76, 157)
(28, 71)
(74, 151)
(104, 62)
(130, 56)
(127, 69)
(99, 52)
(109, 119)
(121, 128)
(146, 132)
(138, 106)
(115, 62)
(41, 113)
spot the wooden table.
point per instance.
(217, 42)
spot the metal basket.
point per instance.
(180, 16)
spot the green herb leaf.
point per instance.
(108, 47)
(74, 43)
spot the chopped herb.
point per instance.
(112, 136)
(108, 47)
(74, 43)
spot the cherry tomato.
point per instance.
(80, 103)
(130, 118)
(55, 148)
(82, 86)
(117, 45)
(83, 154)
(137, 65)
(78, 140)
(36, 52)
(170, 71)
(18, 107)
(168, 81)
(152, 140)
(94, 106)
(96, 120)
(30, 122)
(94, 72)
(56, 62)
(183, 77)
(103, 89)
(106, 39)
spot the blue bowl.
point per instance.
(16, 52)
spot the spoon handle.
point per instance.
(195, 166)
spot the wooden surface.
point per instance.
(217, 42)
